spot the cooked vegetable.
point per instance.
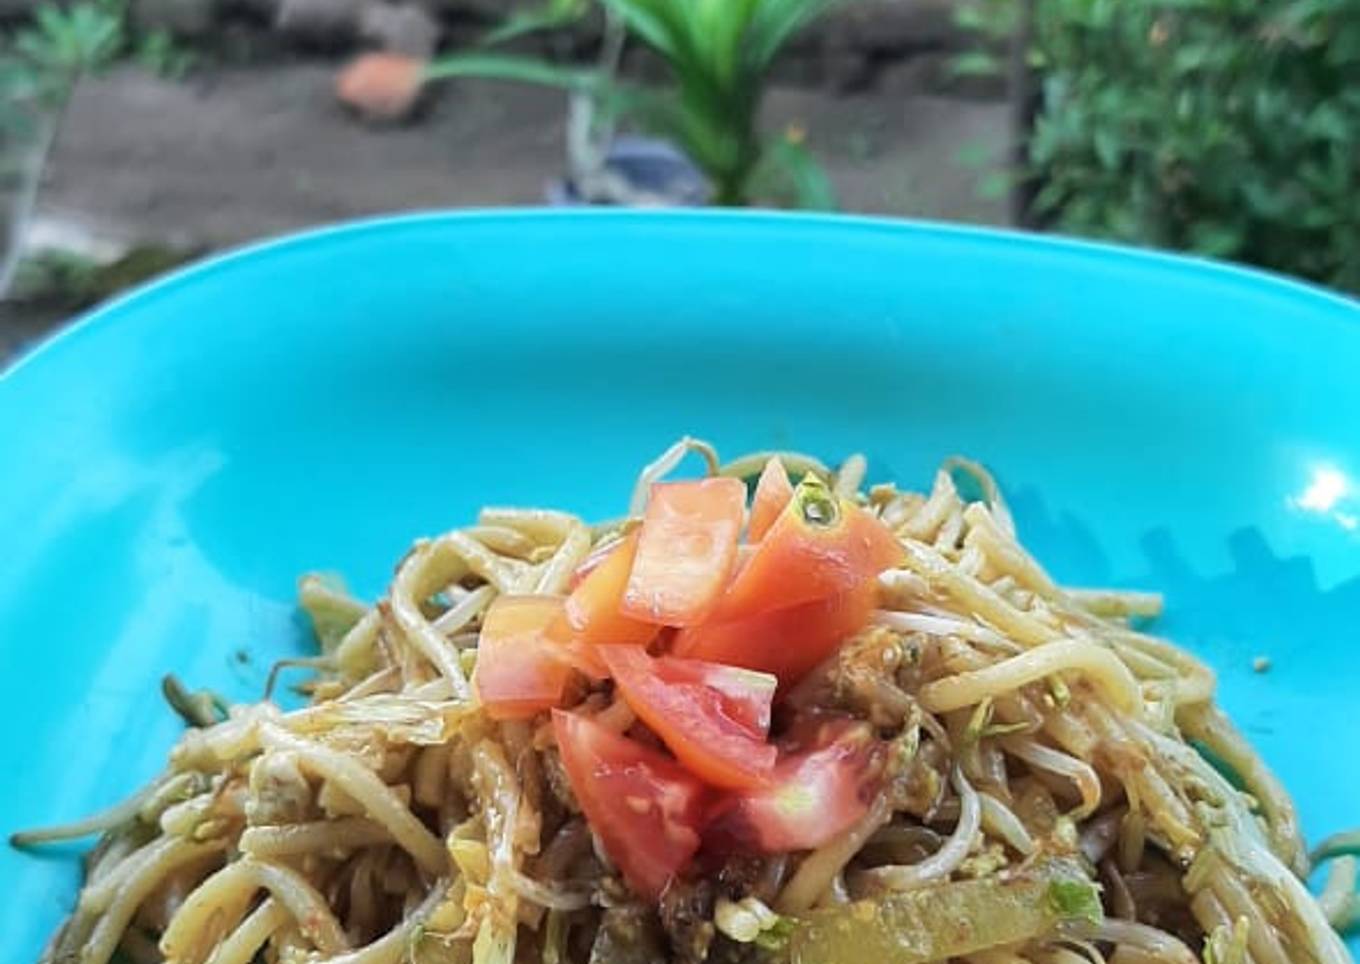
(686, 550)
(943, 921)
(745, 696)
(1337, 845)
(773, 492)
(817, 790)
(1075, 898)
(627, 935)
(332, 610)
(202, 708)
(594, 608)
(645, 808)
(522, 665)
(713, 718)
(819, 545)
(787, 642)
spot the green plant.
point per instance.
(719, 53)
(1230, 128)
(55, 277)
(159, 52)
(64, 44)
(991, 22)
(39, 69)
(548, 15)
(70, 281)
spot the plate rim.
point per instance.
(52, 346)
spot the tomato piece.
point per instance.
(523, 660)
(790, 642)
(819, 545)
(818, 790)
(593, 606)
(685, 552)
(773, 492)
(746, 696)
(592, 561)
(582, 657)
(713, 718)
(644, 807)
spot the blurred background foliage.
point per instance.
(1228, 128)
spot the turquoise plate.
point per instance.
(174, 462)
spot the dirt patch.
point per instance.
(244, 154)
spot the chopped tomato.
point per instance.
(818, 790)
(746, 696)
(773, 492)
(593, 606)
(786, 642)
(686, 551)
(592, 561)
(713, 718)
(819, 545)
(523, 664)
(643, 806)
(582, 657)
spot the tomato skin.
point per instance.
(645, 808)
(523, 660)
(773, 492)
(816, 792)
(746, 696)
(582, 657)
(593, 608)
(713, 718)
(592, 562)
(819, 545)
(790, 642)
(686, 550)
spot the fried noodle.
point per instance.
(1035, 727)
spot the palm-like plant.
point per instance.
(719, 53)
(39, 70)
(64, 44)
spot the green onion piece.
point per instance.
(775, 938)
(1074, 899)
(818, 505)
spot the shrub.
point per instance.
(1229, 128)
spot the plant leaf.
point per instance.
(975, 63)
(511, 67)
(659, 23)
(774, 23)
(994, 185)
(550, 15)
(787, 168)
(1076, 900)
